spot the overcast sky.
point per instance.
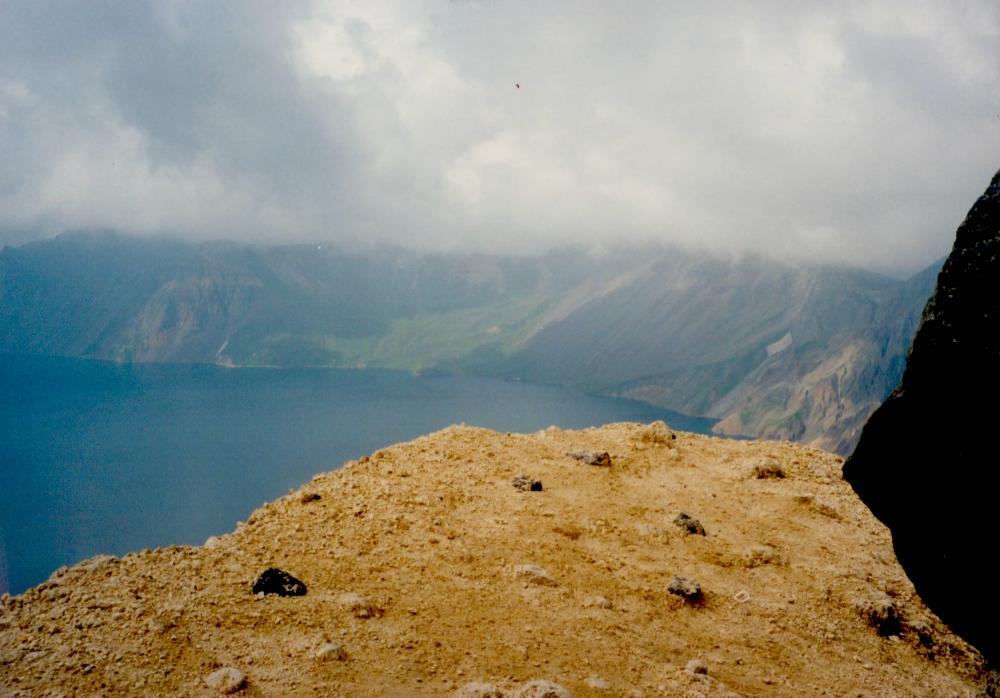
(827, 131)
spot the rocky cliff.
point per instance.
(926, 463)
(618, 561)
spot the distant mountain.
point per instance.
(803, 353)
(130, 299)
(771, 349)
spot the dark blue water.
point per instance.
(104, 458)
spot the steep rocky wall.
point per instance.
(926, 463)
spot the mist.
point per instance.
(853, 134)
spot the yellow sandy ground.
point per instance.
(431, 532)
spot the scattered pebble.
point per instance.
(534, 574)
(477, 689)
(358, 605)
(880, 611)
(540, 688)
(599, 458)
(686, 588)
(924, 631)
(759, 555)
(696, 666)
(90, 564)
(690, 524)
(161, 596)
(656, 433)
(275, 581)
(597, 683)
(571, 531)
(527, 484)
(330, 650)
(226, 680)
(768, 469)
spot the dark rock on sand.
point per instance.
(527, 484)
(687, 589)
(275, 581)
(689, 524)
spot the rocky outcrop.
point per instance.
(926, 463)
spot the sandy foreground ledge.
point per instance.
(418, 564)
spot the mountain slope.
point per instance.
(771, 349)
(800, 353)
(822, 391)
(121, 298)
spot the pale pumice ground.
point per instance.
(431, 533)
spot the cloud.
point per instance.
(860, 132)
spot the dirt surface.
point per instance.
(427, 570)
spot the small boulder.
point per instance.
(760, 555)
(656, 433)
(881, 613)
(540, 688)
(358, 605)
(226, 680)
(598, 602)
(597, 683)
(767, 469)
(687, 589)
(308, 497)
(696, 666)
(527, 484)
(598, 458)
(533, 574)
(923, 629)
(690, 524)
(275, 581)
(478, 689)
(330, 651)
(95, 563)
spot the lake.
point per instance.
(99, 457)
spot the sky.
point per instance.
(846, 132)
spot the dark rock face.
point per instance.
(927, 462)
(275, 581)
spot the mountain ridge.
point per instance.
(772, 349)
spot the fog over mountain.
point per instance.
(801, 352)
(830, 133)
